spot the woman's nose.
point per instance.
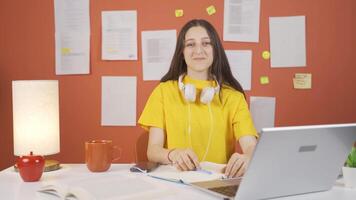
(198, 49)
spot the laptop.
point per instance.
(290, 161)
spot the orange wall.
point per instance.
(27, 52)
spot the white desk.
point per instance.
(12, 186)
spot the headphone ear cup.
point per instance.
(189, 93)
(207, 95)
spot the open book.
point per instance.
(209, 171)
(96, 186)
(63, 192)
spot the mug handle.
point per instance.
(119, 150)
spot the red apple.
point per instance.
(30, 167)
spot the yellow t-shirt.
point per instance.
(227, 119)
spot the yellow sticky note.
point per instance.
(266, 55)
(211, 10)
(299, 83)
(302, 81)
(65, 51)
(179, 13)
(264, 80)
(303, 75)
(111, 50)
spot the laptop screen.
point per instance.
(296, 160)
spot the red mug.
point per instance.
(99, 155)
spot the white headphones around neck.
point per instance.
(189, 91)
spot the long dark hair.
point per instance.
(220, 67)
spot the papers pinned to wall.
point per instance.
(241, 20)
(240, 63)
(287, 41)
(157, 52)
(263, 111)
(118, 101)
(72, 37)
(119, 35)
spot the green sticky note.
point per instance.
(211, 10)
(266, 55)
(264, 80)
(179, 13)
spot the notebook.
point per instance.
(208, 171)
(290, 161)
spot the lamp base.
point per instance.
(50, 165)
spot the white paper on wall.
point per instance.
(72, 37)
(119, 35)
(72, 53)
(118, 101)
(157, 52)
(287, 41)
(241, 20)
(241, 63)
(263, 111)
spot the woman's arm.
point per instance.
(183, 159)
(155, 150)
(248, 144)
(238, 163)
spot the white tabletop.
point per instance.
(128, 185)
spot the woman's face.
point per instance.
(198, 51)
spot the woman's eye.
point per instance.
(206, 44)
(189, 44)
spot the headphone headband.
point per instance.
(182, 86)
(189, 92)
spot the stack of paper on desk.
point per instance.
(208, 171)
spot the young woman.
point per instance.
(199, 111)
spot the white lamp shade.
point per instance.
(35, 117)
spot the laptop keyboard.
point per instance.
(229, 191)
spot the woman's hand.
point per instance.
(184, 159)
(237, 165)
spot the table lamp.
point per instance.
(35, 126)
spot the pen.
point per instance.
(168, 179)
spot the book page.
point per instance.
(59, 191)
(88, 188)
(213, 167)
(209, 171)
